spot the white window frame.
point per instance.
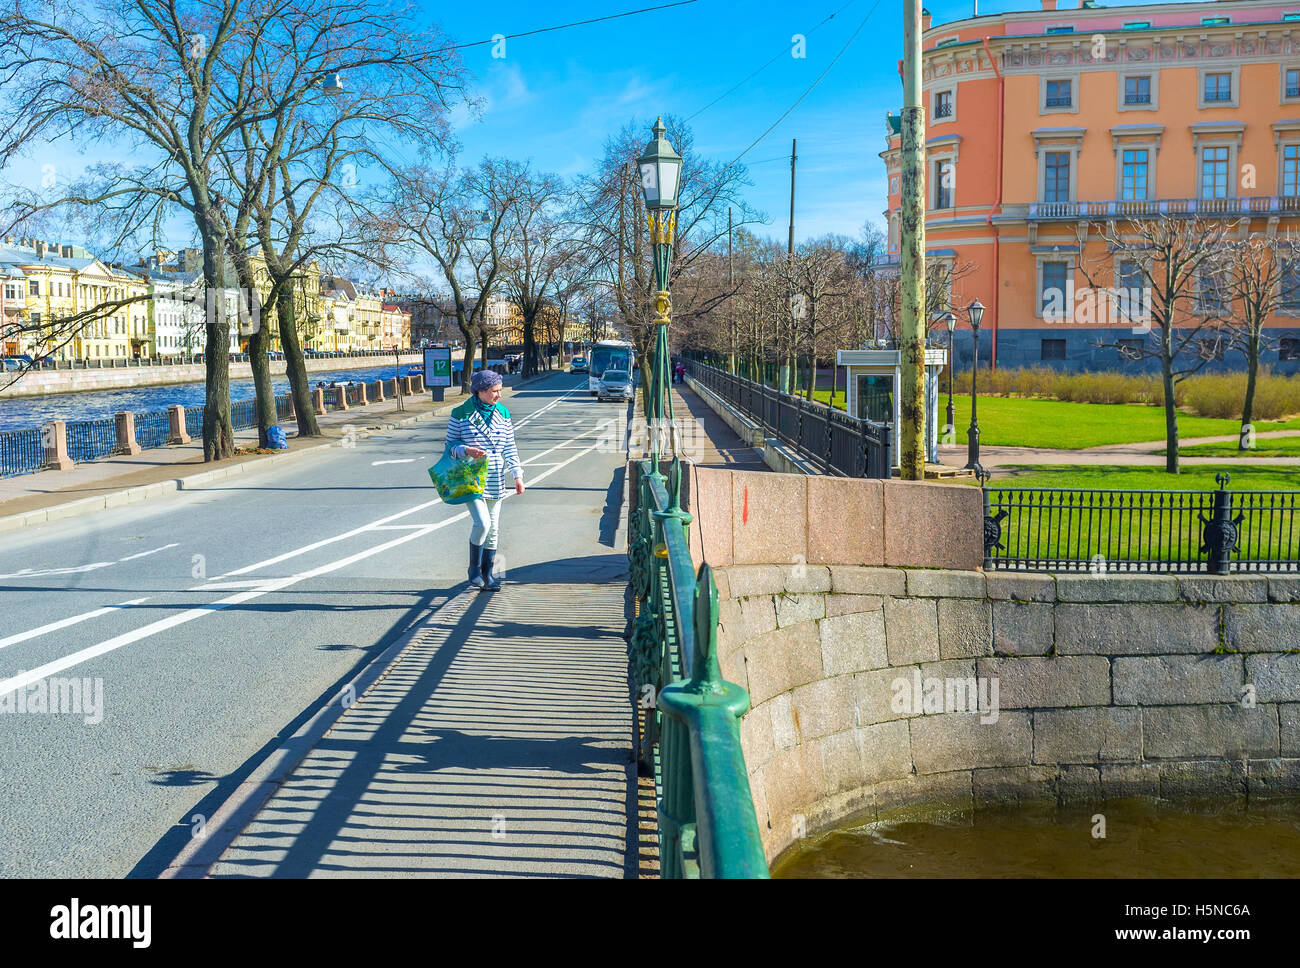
(1071, 260)
(937, 165)
(1045, 143)
(1234, 74)
(951, 90)
(1154, 74)
(1075, 93)
(1219, 139)
(1283, 143)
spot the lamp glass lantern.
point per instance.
(976, 312)
(661, 169)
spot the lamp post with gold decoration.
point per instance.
(661, 170)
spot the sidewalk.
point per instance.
(715, 444)
(498, 743)
(1140, 454)
(157, 470)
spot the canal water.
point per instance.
(1143, 838)
(22, 412)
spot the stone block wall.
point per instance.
(1107, 687)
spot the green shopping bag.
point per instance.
(459, 481)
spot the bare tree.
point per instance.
(542, 242)
(1177, 266)
(1255, 280)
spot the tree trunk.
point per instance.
(1247, 408)
(467, 371)
(295, 366)
(529, 367)
(1171, 408)
(261, 366)
(218, 435)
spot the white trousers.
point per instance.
(486, 515)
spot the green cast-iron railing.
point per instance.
(690, 738)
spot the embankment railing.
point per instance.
(836, 442)
(690, 735)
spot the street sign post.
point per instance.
(437, 370)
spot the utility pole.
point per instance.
(912, 328)
(731, 309)
(784, 376)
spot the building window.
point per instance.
(1291, 83)
(943, 181)
(1211, 300)
(1218, 88)
(1289, 349)
(1059, 94)
(1137, 90)
(1061, 30)
(1289, 296)
(1215, 21)
(1129, 349)
(1131, 283)
(1137, 25)
(1051, 300)
(34, 287)
(1052, 349)
(943, 105)
(1214, 173)
(1056, 176)
(1133, 184)
(1291, 170)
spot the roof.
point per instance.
(895, 122)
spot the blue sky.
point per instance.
(555, 97)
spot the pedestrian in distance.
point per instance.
(480, 427)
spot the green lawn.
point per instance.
(1031, 422)
(1049, 528)
(1126, 477)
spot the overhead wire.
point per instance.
(577, 23)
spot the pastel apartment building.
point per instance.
(1040, 122)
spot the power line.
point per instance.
(578, 23)
(799, 100)
(781, 53)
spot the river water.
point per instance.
(1143, 838)
(21, 412)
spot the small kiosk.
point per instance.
(873, 382)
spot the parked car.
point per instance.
(578, 364)
(614, 385)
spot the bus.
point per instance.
(609, 354)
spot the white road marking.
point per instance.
(142, 554)
(63, 623)
(269, 585)
(401, 460)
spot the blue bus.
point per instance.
(609, 354)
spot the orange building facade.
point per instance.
(1041, 122)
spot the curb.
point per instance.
(145, 492)
(201, 854)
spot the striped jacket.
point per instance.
(466, 428)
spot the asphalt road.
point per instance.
(216, 621)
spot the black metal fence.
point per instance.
(152, 429)
(21, 451)
(1217, 532)
(92, 439)
(836, 442)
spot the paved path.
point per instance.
(1138, 454)
(498, 743)
(713, 444)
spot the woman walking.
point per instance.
(480, 427)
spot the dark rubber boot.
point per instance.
(475, 565)
(491, 583)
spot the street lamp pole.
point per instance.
(660, 168)
(976, 312)
(950, 322)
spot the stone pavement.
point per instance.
(498, 743)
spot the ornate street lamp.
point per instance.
(661, 170)
(976, 313)
(950, 321)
